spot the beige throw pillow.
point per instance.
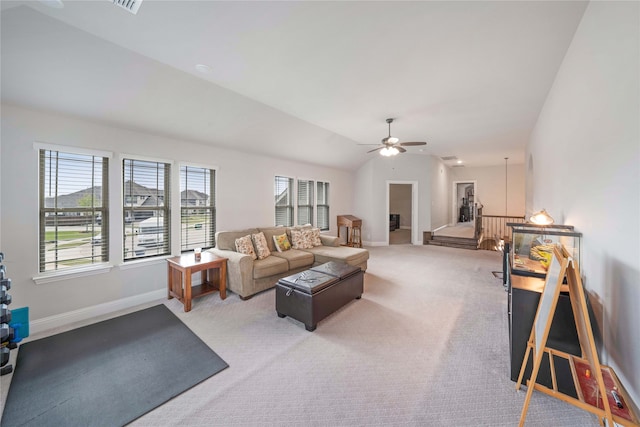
(260, 242)
(301, 239)
(245, 246)
(315, 236)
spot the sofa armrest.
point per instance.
(329, 240)
(239, 271)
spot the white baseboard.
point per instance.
(374, 243)
(405, 227)
(440, 228)
(63, 319)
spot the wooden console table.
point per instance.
(354, 237)
(185, 265)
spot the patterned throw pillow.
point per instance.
(282, 242)
(315, 236)
(301, 239)
(260, 242)
(245, 246)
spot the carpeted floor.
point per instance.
(426, 345)
(461, 229)
(401, 236)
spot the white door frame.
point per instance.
(414, 211)
(454, 197)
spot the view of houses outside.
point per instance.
(74, 237)
(72, 207)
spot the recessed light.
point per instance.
(205, 69)
(459, 161)
(54, 4)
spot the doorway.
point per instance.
(402, 212)
(464, 199)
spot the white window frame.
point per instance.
(311, 205)
(168, 220)
(328, 204)
(92, 269)
(314, 216)
(214, 190)
(292, 198)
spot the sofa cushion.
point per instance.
(297, 228)
(260, 244)
(269, 232)
(269, 266)
(244, 245)
(302, 239)
(352, 256)
(315, 236)
(296, 258)
(226, 240)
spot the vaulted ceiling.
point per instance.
(300, 80)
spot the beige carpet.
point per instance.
(400, 237)
(461, 229)
(426, 345)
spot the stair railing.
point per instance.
(495, 226)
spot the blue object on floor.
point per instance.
(20, 323)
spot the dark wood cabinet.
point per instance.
(524, 295)
(394, 222)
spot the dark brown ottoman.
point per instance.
(314, 294)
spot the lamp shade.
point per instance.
(541, 218)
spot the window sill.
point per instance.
(71, 274)
(144, 262)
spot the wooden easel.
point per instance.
(591, 379)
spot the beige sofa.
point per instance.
(246, 276)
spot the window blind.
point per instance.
(305, 202)
(197, 207)
(283, 201)
(74, 210)
(322, 205)
(146, 211)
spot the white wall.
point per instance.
(244, 199)
(371, 193)
(490, 188)
(583, 162)
(440, 196)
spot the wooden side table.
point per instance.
(185, 265)
(353, 223)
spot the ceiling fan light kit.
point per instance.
(391, 145)
(389, 151)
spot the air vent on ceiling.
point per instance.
(130, 5)
(445, 158)
(457, 166)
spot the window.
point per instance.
(146, 211)
(284, 201)
(305, 202)
(197, 207)
(74, 210)
(322, 205)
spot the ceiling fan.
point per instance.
(392, 145)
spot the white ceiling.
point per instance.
(303, 80)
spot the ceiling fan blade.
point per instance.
(369, 144)
(400, 149)
(375, 149)
(409, 144)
